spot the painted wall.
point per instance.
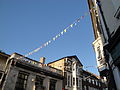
(13, 74)
(11, 79)
(109, 10)
(58, 64)
(3, 61)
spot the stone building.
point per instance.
(3, 61)
(91, 81)
(105, 15)
(75, 78)
(23, 73)
(71, 67)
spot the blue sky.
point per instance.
(27, 24)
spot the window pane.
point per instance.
(52, 84)
(21, 82)
(73, 81)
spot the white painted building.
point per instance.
(71, 71)
(74, 74)
(106, 21)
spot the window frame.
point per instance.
(99, 57)
(52, 84)
(39, 81)
(21, 83)
(73, 81)
(68, 81)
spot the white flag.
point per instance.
(75, 24)
(71, 25)
(62, 32)
(49, 41)
(65, 30)
(54, 39)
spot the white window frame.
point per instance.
(69, 81)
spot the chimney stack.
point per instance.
(42, 60)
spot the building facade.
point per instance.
(105, 15)
(3, 60)
(22, 73)
(26, 74)
(91, 81)
(75, 78)
(71, 67)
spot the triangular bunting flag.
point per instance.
(36, 49)
(75, 23)
(54, 39)
(56, 36)
(62, 32)
(78, 20)
(71, 25)
(49, 41)
(65, 30)
(59, 35)
(82, 17)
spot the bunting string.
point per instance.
(58, 35)
(90, 67)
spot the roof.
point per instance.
(91, 74)
(74, 56)
(25, 57)
(4, 54)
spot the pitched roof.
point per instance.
(4, 54)
(91, 74)
(74, 56)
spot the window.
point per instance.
(52, 84)
(68, 81)
(99, 84)
(65, 79)
(84, 78)
(39, 82)
(77, 82)
(96, 82)
(89, 88)
(80, 83)
(0, 75)
(73, 81)
(73, 66)
(99, 53)
(93, 82)
(69, 65)
(85, 88)
(21, 81)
